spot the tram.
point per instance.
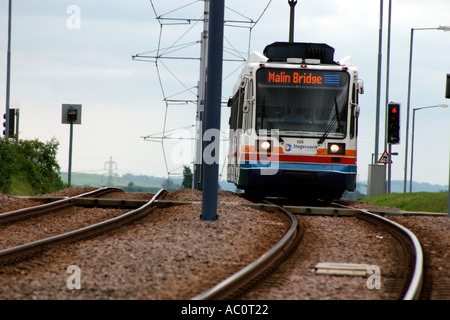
(294, 123)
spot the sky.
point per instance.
(81, 52)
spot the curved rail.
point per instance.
(88, 231)
(99, 192)
(415, 283)
(55, 205)
(254, 271)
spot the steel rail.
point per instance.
(89, 231)
(415, 283)
(55, 205)
(248, 275)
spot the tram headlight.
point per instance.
(264, 145)
(336, 148)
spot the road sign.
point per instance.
(384, 158)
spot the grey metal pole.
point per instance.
(387, 96)
(212, 108)
(447, 96)
(17, 124)
(412, 149)
(443, 28)
(8, 71)
(69, 176)
(292, 4)
(197, 176)
(408, 103)
(389, 167)
(412, 137)
(377, 117)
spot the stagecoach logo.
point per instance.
(300, 147)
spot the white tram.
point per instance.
(294, 122)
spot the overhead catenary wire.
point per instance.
(166, 53)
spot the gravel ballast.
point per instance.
(173, 254)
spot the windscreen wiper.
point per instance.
(331, 123)
(268, 122)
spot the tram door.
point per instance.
(236, 104)
(240, 125)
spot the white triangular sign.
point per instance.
(384, 158)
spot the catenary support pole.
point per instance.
(210, 156)
(292, 4)
(69, 177)
(380, 53)
(8, 72)
(199, 123)
(388, 62)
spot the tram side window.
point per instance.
(235, 121)
(231, 105)
(249, 101)
(233, 113)
(241, 104)
(353, 120)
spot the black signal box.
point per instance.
(72, 114)
(393, 123)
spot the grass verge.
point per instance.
(416, 201)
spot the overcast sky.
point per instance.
(80, 52)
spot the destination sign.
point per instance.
(301, 77)
(294, 77)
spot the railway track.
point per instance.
(24, 250)
(52, 204)
(261, 268)
(240, 281)
(412, 278)
(414, 272)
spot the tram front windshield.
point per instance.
(305, 103)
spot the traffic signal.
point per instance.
(447, 90)
(12, 119)
(393, 123)
(72, 114)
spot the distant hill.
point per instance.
(98, 180)
(143, 182)
(130, 182)
(127, 182)
(397, 187)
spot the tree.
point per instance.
(29, 166)
(187, 177)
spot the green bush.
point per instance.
(187, 177)
(29, 167)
